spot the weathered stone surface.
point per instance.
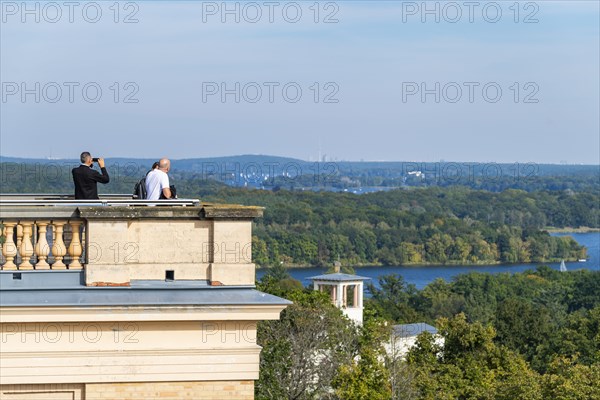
(232, 211)
(13, 212)
(128, 212)
(208, 211)
(233, 274)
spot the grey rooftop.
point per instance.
(63, 288)
(409, 330)
(132, 296)
(338, 277)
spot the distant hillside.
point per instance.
(450, 167)
(273, 173)
(183, 164)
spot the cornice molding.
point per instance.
(140, 313)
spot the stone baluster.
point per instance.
(26, 248)
(58, 246)
(9, 250)
(83, 244)
(19, 239)
(19, 235)
(75, 248)
(42, 249)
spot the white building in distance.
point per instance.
(346, 292)
(404, 337)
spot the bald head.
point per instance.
(164, 164)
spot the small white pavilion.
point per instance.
(346, 292)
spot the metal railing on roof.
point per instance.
(123, 200)
(58, 196)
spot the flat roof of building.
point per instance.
(137, 297)
(64, 288)
(409, 330)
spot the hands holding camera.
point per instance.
(100, 161)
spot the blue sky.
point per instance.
(364, 65)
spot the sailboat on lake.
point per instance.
(563, 267)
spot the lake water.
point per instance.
(421, 276)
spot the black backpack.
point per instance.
(139, 191)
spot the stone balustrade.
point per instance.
(116, 240)
(42, 244)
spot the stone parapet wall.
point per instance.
(117, 243)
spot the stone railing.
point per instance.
(116, 239)
(42, 244)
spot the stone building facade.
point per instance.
(121, 299)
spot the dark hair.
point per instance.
(155, 165)
(85, 156)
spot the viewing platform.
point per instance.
(117, 298)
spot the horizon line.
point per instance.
(311, 161)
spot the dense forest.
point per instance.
(427, 225)
(526, 336)
(414, 226)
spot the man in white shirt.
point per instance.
(157, 181)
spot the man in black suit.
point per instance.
(86, 178)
